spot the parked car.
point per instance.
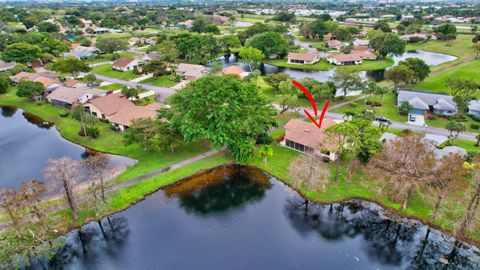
(93, 84)
(412, 118)
(383, 119)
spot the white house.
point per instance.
(126, 64)
(302, 58)
(6, 66)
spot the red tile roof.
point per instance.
(310, 57)
(123, 62)
(308, 134)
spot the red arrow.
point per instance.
(314, 106)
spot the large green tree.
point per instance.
(4, 83)
(388, 43)
(30, 89)
(224, 111)
(419, 68)
(71, 66)
(272, 44)
(111, 45)
(399, 75)
(196, 48)
(251, 56)
(21, 53)
(446, 32)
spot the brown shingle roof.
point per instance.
(110, 104)
(71, 95)
(45, 81)
(232, 70)
(347, 57)
(127, 114)
(308, 134)
(123, 62)
(310, 57)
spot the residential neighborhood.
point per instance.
(188, 134)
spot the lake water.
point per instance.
(240, 218)
(326, 75)
(26, 144)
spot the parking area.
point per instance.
(416, 119)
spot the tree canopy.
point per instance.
(388, 43)
(272, 44)
(224, 111)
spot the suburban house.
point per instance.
(364, 52)
(361, 42)
(328, 37)
(49, 84)
(32, 76)
(426, 101)
(81, 52)
(118, 110)
(308, 138)
(345, 59)
(188, 23)
(73, 83)
(474, 108)
(150, 57)
(302, 58)
(191, 72)
(235, 70)
(66, 97)
(336, 45)
(125, 64)
(6, 66)
(219, 19)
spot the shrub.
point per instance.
(475, 126)
(64, 114)
(353, 104)
(368, 102)
(376, 104)
(474, 117)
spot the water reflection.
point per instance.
(235, 218)
(27, 142)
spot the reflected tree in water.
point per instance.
(226, 195)
(8, 111)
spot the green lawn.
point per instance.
(437, 81)
(106, 70)
(108, 57)
(113, 86)
(324, 65)
(160, 81)
(462, 48)
(109, 141)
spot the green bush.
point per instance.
(474, 117)
(475, 126)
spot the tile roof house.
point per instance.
(48, 83)
(125, 64)
(6, 66)
(235, 70)
(335, 44)
(66, 97)
(308, 138)
(345, 59)
(364, 52)
(361, 42)
(32, 76)
(422, 101)
(474, 108)
(190, 71)
(302, 58)
(118, 110)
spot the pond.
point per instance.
(326, 75)
(26, 144)
(240, 218)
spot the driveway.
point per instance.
(418, 119)
(163, 92)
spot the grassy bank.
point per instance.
(324, 65)
(109, 140)
(106, 70)
(160, 81)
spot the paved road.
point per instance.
(163, 92)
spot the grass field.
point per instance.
(437, 81)
(160, 81)
(106, 70)
(112, 86)
(324, 65)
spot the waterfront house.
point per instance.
(191, 72)
(424, 101)
(235, 70)
(345, 59)
(336, 45)
(118, 110)
(302, 58)
(66, 97)
(308, 138)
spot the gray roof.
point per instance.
(474, 105)
(439, 101)
(450, 149)
(436, 139)
(81, 52)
